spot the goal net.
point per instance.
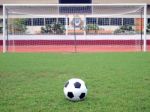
(74, 28)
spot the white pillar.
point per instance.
(66, 25)
(84, 25)
(44, 21)
(145, 27)
(4, 29)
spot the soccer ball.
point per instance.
(75, 89)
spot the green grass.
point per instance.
(117, 82)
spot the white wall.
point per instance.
(78, 37)
(33, 30)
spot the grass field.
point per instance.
(33, 82)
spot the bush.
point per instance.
(148, 28)
(126, 29)
(19, 26)
(1, 29)
(55, 28)
(92, 27)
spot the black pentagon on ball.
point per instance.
(77, 85)
(70, 95)
(66, 84)
(82, 95)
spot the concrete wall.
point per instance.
(71, 37)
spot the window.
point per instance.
(103, 21)
(1, 21)
(91, 20)
(68, 21)
(50, 20)
(128, 21)
(74, 9)
(28, 22)
(75, 1)
(62, 21)
(148, 21)
(1, 26)
(116, 21)
(38, 21)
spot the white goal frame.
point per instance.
(123, 4)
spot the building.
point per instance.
(82, 23)
(103, 21)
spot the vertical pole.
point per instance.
(92, 9)
(4, 29)
(7, 42)
(141, 43)
(84, 27)
(75, 44)
(145, 27)
(44, 22)
(122, 22)
(66, 25)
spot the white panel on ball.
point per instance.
(75, 89)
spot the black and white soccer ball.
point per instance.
(75, 89)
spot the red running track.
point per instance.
(78, 48)
(68, 46)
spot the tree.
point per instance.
(126, 29)
(92, 27)
(55, 28)
(19, 26)
(148, 28)
(47, 29)
(1, 29)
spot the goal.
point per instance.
(74, 27)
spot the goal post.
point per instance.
(4, 29)
(145, 28)
(74, 27)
